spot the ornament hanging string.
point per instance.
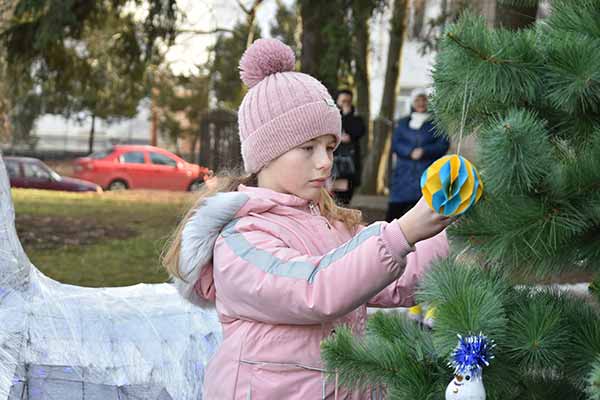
(463, 118)
(451, 185)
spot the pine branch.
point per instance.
(377, 361)
(475, 51)
(547, 388)
(573, 74)
(468, 300)
(593, 381)
(581, 17)
(528, 233)
(355, 362)
(516, 153)
(583, 325)
(538, 337)
(396, 329)
(500, 69)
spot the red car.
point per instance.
(25, 172)
(140, 167)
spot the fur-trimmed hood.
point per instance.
(206, 223)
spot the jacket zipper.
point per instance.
(316, 211)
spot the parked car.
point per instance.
(140, 167)
(26, 172)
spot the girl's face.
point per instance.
(303, 171)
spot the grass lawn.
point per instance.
(91, 239)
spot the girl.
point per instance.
(282, 263)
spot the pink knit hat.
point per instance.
(282, 108)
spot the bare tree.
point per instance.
(382, 125)
(362, 12)
(418, 17)
(250, 17)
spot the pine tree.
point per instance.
(532, 99)
(227, 51)
(80, 57)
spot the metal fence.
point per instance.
(217, 146)
(219, 141)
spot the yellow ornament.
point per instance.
(415, 312)
(451, 185)
(429, 317)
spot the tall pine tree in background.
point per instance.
(532, 99)
(79, 58)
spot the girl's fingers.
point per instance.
(446, 221)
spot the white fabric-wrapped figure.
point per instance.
(67, 342)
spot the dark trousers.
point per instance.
(343, 198)
(396, 210)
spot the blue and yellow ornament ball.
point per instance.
(451, 185)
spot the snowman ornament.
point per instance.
(468, 359)
(466, 387)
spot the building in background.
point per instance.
(56, 134)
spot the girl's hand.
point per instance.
(421, 222)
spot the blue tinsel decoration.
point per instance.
(472, 354)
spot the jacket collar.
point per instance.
(283, 199)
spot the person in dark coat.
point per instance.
(347, 166)
(415, 146)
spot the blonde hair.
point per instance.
(228, 182)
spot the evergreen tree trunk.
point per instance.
(92, 133)
(193, 158)
(383, 123)
(513, 16)
(418, 17)
(360, 54)
(312, 39)
(154, 119)
(13, 143)
(444, 11)
(199, 147)
(320, 55)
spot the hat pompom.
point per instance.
(263, 58)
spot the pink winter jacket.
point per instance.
(282, 278)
